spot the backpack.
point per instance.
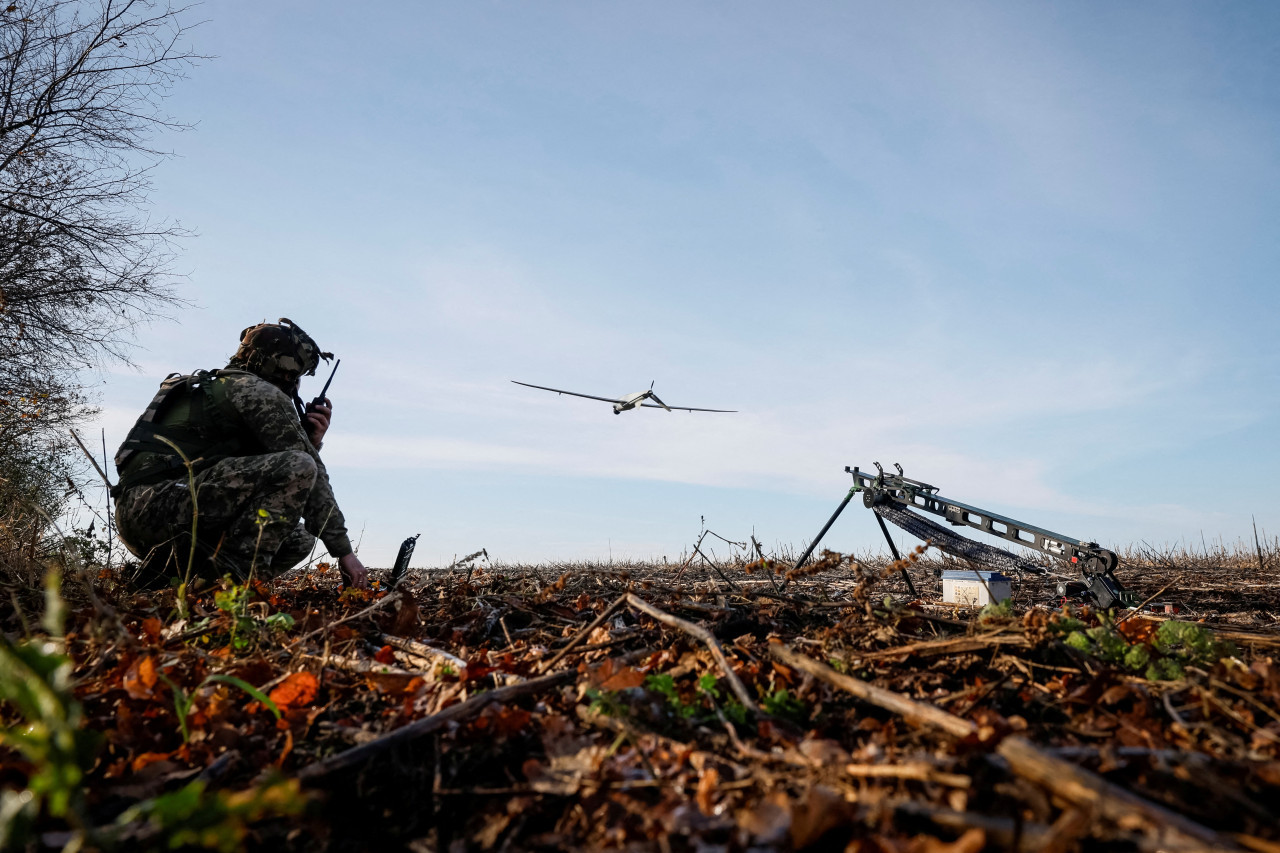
(191, 411)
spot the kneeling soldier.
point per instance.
(262, 493)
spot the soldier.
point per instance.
(262, 493)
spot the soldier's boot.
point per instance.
(156, 569)
(167, 564)
(296, 547)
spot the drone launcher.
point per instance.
(901, 501)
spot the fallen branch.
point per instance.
(1150, 598)
(1248, 638)
(313, 774)
(697, 631)
(377, 605)
(363, 665)
(422, 650)
(917, 771)
(585, 632)
(722, 575)
(951, 646)
(680, 573)
(1066, 780)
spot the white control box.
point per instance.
(974, 588)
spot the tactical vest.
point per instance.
(194, 413)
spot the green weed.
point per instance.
(996, 612)
(780, 703)
(182, 700)
(665, 685)
(194, 818)
(604, 702)
(1174, 646)
(35, 678)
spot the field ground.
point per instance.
(641, 707)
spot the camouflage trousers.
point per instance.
(249, 516)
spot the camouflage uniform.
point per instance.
(262, 493)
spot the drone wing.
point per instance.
(570, 393)
(684, 408)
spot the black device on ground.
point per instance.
(402, 559)
(900, 499)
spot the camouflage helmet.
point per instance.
(278, 351)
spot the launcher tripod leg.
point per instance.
(823, 532)
(897, 558)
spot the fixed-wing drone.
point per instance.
(628, 402)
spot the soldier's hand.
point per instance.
(317, 423)
(353, 571)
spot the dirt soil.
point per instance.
(661, 707)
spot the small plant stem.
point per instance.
(253, 561)
(1150, 599)
(111, 534)
(94, 461)
(22, 617)
(377, 605)
(1262, 566)
(768, 570)
(195, 518)
(731, 584)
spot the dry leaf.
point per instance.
(152, 628)
(820, 813)
(406, 619)
(140, 680)
(769, 821)
(389, 682)
(623, 680)
(148, 758)
(823, 751)
(299, 689)
(706, 793)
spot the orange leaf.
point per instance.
(140, 680)
(511, 721)
(146, 758)
(1138, 630)
(706, 795)
(389, 682)
(300, 688)
(385, 655)
(152, 628)
(623, 680)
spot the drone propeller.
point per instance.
(654, 397)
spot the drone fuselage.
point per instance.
(630, 401)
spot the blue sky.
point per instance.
(1026, 250)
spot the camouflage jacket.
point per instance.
(269, 416)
